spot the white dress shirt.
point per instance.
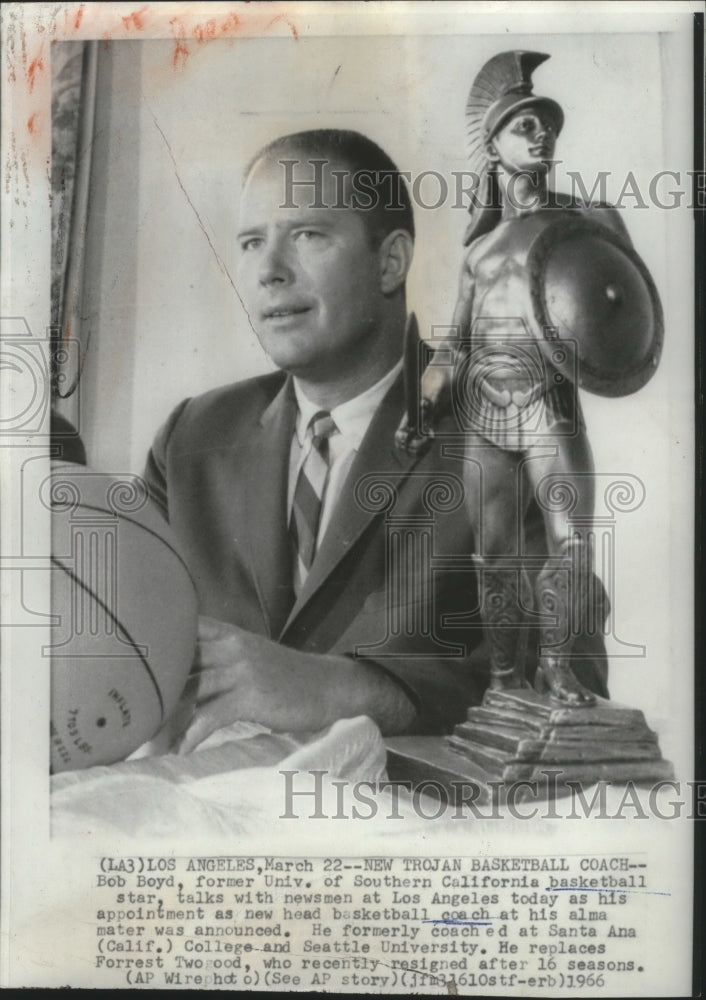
(352, 420)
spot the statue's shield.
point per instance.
(593, 297)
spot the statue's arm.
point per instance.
(435, 382)
(463, 311)
(437, 377)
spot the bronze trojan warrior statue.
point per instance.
(552, 296)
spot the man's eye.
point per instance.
(309, 235)
(252, 243)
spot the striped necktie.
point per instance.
(309, 494)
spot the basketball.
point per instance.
(124, 617)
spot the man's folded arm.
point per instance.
(244, 676)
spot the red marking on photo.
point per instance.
(135, 19)
(181, 52)
(292, 27)
(230, 23)
(36, 66)
(204, 32)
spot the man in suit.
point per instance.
(333, 572)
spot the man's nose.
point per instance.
(274, 265)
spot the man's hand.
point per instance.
(241, 676)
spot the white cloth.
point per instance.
(352, 419)
(230, 786)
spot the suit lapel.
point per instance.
(377, 454)
(266, 512)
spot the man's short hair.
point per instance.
(382, 195)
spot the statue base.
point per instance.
(522, 736)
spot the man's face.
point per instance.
(527, 141)
(309, 277)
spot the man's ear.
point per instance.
(395, 256)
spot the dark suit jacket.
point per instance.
(392, 582)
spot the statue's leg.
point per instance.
(494, 501)
(562, 587)
(561, 591)
(504, 624)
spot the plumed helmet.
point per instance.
(501, 89)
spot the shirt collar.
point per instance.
(353, 417)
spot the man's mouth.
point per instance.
(280, 312)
